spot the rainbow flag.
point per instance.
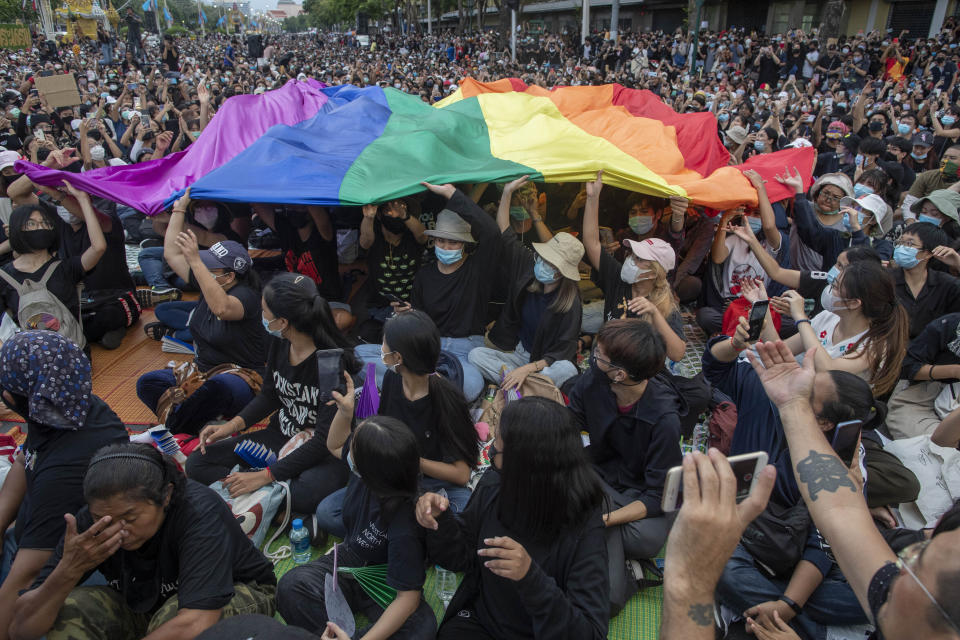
(342, 146)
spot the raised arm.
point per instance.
(340, 425)
(171, 252)
(838, 509)
(98, 243)
(591, 222)
(503, 211)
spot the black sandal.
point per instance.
(156, 330)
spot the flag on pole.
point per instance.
(221, 20)
(167, 16)
(146, 5)
(202, 18)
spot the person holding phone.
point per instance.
(632, 420)
(814, 594)
(300, 324)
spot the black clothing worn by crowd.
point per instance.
(291, 394)
(62, 284)
(563, 594)
(56, 462)
(457, 302)
(940, 295)
(198, 554)
(555, 336)
(372, 538)
(219, 341)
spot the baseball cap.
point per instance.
(8, 158)
(923, 139)
(227, 254)
(655, 250)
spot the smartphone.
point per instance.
(606, 235)
(173, 81)
(131, 86)
(846, 437)
(40, 135)
(828, 103)
(136, 104)
(757, 313)
(746, 467)
(393, 298)
(34, 92)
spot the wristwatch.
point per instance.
(790, 603)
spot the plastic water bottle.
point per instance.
(446, 585)
(300, 542)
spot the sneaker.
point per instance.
(113, 338)
(151, 242)
(138, 279)
(152, 297)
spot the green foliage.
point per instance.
(177, 31)
(10, 12)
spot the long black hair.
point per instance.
(547, 483)
(387, 457)
(854, 401)
(416, 338)
(294, 297)
(19, 217)
(137, 471)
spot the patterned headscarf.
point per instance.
(52, 373)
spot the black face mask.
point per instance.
(599, 373)
(39, 239)
(876, 126)
(393, 225)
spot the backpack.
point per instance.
(40, 309)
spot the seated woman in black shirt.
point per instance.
(535, 519)
(538, 328)
(226, 328)
(381, 529)
(429, 404)
(632, 420)
(45, 378)
(34, 238)
(174, 557)
(299, 322)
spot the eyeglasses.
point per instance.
(906, 243)
(384, 355)
(906, 561)
(829, 196)
(33, 225)
(596, 358)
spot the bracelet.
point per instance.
(797, 323)
(269, 473)
(932, 367)
(735, 348)
(179, 211)
(797, 609)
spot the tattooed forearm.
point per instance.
(701, 614)
(822, 472)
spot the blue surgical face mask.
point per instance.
(860, 190)
(925, 218)
(640, 225)
(917, 156)
(903, 129)
(448, 256)
(756, 224)
(353, 468)
(759, 145)
(723, 117)
(266, 326)
(543, 271)
(833, 274)
(948, 121)
(906, 256)
(842, 105)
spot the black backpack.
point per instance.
(450, 368)
(777, 537)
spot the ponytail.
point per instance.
(294, 297)
(453, 417)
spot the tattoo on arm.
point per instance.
(701, 614)
(823, 472)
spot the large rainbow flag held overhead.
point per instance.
(308, 144)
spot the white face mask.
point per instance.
(631, 273)
(66, 216)
(831, 302)
(206, 216)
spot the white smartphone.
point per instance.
(745, 468)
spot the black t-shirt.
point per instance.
(62, 284)
(238, 341)
(616, 294)
(171, 58)
(392, 268)
(198, 554)
(398, 544)
(313, 257)
(111, 272)
(56, 461)
(418, 415)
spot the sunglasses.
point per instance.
(907, 559)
